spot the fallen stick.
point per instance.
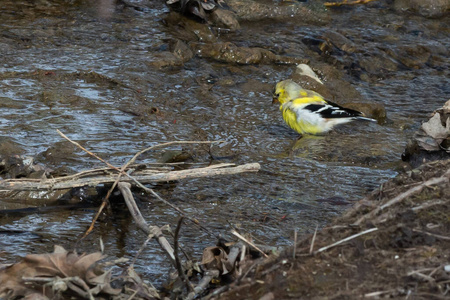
(346, 240)
(234, 232)
(311, 249)
(61, 183)
(203, 284)
(178, 265)
(121, 171)
(155, 231)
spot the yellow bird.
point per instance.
(307, 112)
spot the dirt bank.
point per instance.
(402, 253)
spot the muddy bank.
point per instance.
(402, 250)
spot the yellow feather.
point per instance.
(298, 125)
(308, 100)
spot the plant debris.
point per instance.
(393, 243)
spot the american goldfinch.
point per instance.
(307, 112)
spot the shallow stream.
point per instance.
(92, 72)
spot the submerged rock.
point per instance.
(311, 13)
(179, 54)
(229, 52)
(426, 8)
(225, 18)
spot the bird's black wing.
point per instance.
(333, 110)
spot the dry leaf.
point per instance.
(435, 129)
(426, 142)
(135, 285)
(215, 258)
(40, 269)
(433, 135)
(446, 107)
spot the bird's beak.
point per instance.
(274, 97)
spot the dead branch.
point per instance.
(178, 265)
(438, 236)
(234, 232)
(62, 183)
(203, 284)
(388, 215)
(311, 249)
(346, 240)
(155, 231)
(87, 151)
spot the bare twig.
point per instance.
(234, 232)
(149, 237)
(217, 292)
(417, 189)
(154, 231)
(122, 169)
(428, 204)
(295, 244)
(203, 284)
(438, 236)
(133, 159)
(419, 275)
(87, 151)
(193, 220)
(100, 209)
(124, 188)
(242, 277)
(143, 177)
(376, 294)
(181, 273)
(346, 239)
(50, 281)
(404, 195)
(313, 240)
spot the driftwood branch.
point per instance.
(346, 239)
(121, 171)
(155, 231)
(63, 183)
(234, 232)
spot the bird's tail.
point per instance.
(365, 119)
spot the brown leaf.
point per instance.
(216, 258)
(61, 263)
(446, 108)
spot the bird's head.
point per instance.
(285, 91)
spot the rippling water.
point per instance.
(88, 72)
